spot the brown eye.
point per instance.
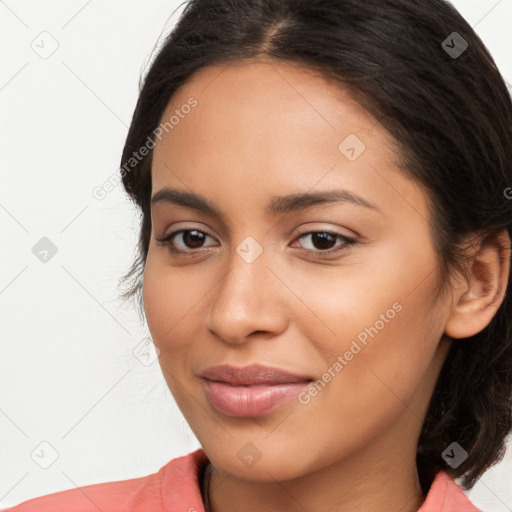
(323, 241)
(192, 239)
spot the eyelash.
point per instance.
(347, 246)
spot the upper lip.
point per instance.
(253, 374)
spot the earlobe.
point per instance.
(476, 301)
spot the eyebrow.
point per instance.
(277, 205)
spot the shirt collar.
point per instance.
(181, 488)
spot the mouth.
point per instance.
(250, 391)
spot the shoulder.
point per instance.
(134, 495)
(445, 495)
(119, 496)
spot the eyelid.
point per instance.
(333, 231)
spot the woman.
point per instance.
(324, 257)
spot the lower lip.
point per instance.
(250, 401)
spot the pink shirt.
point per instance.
(176, 488)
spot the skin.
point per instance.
(265, 128)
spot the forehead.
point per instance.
(274, 102)
(266, 127)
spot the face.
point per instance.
(339, 292)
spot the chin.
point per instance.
(258, 461)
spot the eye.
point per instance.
(323, 241)
(193, 239)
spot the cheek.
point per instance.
(360, 396)
(168, 302)
(380, 319)
(370, 295)
(155, 293)
(168, 305)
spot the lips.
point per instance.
(251, 375)
(250, 391)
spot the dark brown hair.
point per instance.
(451, 116)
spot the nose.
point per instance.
(249, 301)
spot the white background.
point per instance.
(68, 373)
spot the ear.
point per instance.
(478, 298)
